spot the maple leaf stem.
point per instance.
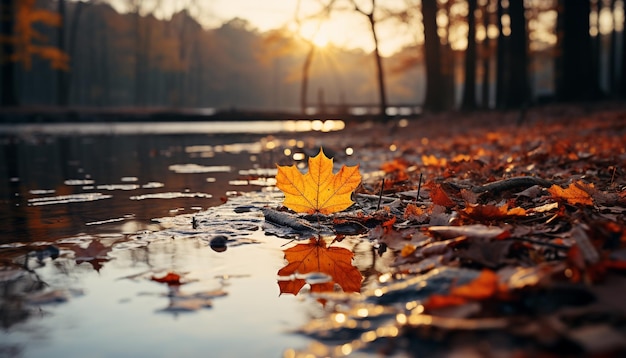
(380, 196)
(613, 176)
(288, 242)
(319, 228)
(419, 188)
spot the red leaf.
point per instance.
(171, 279)
(439, 197)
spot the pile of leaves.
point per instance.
(506, 239)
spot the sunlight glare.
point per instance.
(320, 41)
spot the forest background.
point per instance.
(466, 54)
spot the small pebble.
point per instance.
(218, 243)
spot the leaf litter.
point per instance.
(513, 244)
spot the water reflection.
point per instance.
(320, 265)
(121, 128)
(59, 186)
(99, 281)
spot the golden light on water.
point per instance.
(317, 125)
(340, 318)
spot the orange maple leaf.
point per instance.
(319, 190)
(316, 257)
(574, 194)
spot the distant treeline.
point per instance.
(129, 60)
(97, 57)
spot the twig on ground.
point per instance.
(511, 183)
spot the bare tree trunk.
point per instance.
(596, 48)
(613, 81)
(502, 61)
(518, 87)
(486, 58)
(9, 97)
(71, 50)
(380, 74)
(469, 85)
(622, 82)
(62, 86)
(304, 86)
(575, 62)
(434, 100)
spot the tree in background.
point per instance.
(21, 41)
(486, 55)
(435, 90)
(574, 60)
(320, 17)
(145, 57)
(469, 84)
(380, 73)
(7, 28)
(622, 81)
(518, 87)
(513, 86)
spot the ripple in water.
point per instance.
(64, 199)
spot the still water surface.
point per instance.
(93, 195)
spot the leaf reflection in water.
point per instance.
(320, 265)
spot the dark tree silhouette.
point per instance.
(513, 86)
(518, 87)
(62, 82)
(574, 62)
(486, 57)
(622, 80)
(613, 46)
(469, 85)
(435, 90)
(7, 72)
(502, 75)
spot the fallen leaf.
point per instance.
(96, 254)
(483, 287)
(439, 197)
(171, 279)
(431, 160)
(319, 190)
(414, 212)
(316, 257)
(574, 194)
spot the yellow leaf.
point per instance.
(319, 190)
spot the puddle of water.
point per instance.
(91, 292)
(120, 311)
(59, 186)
